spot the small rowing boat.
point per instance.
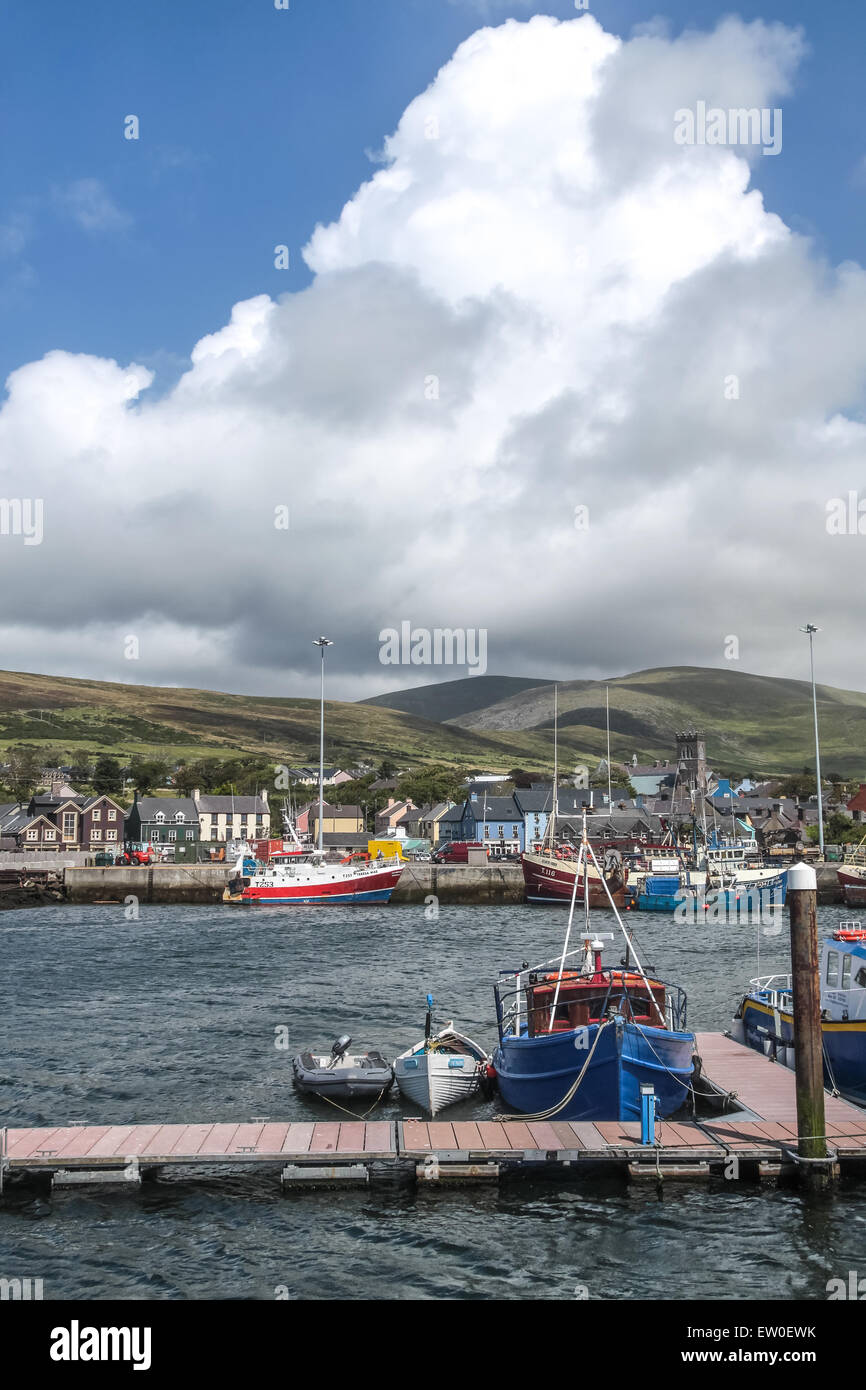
(441, 1069)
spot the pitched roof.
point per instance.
(239, 805)
(858, 801)
(495, 808)
(148, 806)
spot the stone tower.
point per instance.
(692, 760)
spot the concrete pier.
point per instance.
(450, 883)
(156, 883)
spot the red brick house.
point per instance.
(857, 804)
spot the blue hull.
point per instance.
(734, 902)
(844, 1046)
(535, 1074)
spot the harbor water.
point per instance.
(193, 1014)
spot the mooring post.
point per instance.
(814, 1164)
(647, 1115)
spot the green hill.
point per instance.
(66, 716)
(753, 724)
(452, 699)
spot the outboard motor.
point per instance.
(338, 1049)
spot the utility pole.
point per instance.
(811, 629)
(322, 643)
(816, 1167)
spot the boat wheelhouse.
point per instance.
(765, 1021)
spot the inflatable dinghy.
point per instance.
(343, 1075)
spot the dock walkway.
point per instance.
(763, 1133)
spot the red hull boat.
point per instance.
(549, 878)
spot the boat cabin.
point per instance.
(585, 999)
(843, 974)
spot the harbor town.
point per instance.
(432, 711)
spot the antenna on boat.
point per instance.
(322, 643)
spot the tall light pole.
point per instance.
(810, 629)
(322, 643)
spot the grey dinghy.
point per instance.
(343, 1075)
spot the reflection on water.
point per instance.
(175, 1018)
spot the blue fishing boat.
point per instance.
(579, 1043)
(727, 885)
(765, 1019)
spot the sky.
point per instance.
(529, 364)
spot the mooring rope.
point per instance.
(352, 1112)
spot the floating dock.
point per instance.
(760, 1133)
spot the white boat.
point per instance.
(441, 1069)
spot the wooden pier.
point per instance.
(760, 1133)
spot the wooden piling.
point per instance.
(808, 1051)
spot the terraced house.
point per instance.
(225, 818)
(169, 823)
(62, 819)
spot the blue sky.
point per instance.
(255, 125)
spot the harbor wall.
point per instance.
(450, 883)
(204, 883)
(155, 883)
(460, 883)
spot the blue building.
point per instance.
(495, 821)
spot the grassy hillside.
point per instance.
(753, 723)
(66, 716)
(452, 699)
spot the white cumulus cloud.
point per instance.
(539, 302)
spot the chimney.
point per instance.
(265, 795)
(196, 793)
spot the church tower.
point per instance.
(692, 760)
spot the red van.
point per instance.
(456, 851)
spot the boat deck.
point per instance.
(762, 1133)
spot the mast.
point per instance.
(555, 806)
(322, 643)
(811, 629)
(607, 720)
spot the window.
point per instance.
(111, 834)
(846, 972)
(487, 832)
(172, 834)
(96, 833)
(833, 968)
(179, 818)
(50, 835)
(159, 817)
(155, 837)
(860, 977)
(112, 815)
(69, 825)
(33, 834)
(97, 815)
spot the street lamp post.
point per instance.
(810, 629)
(322, 643)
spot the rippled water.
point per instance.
(174, 1017)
